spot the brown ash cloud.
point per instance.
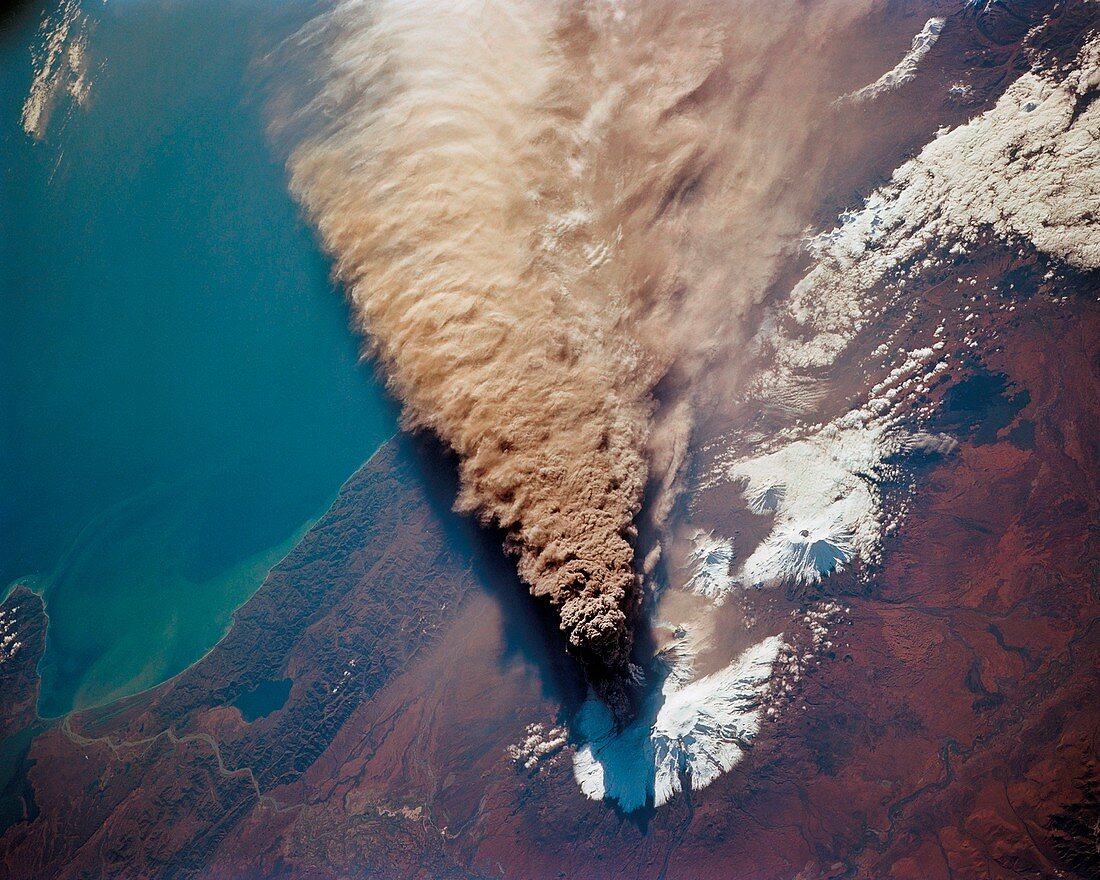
(549, 218)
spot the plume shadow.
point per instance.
(530, 630)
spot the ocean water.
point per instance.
(180, 395)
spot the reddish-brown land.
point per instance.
(954, 734)
(356, 719)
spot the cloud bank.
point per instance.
(1026, 170)
(60, 60)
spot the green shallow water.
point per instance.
(180, 394)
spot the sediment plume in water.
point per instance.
(549, 217)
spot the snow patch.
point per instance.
(822, 483)
(709, 562)
(905, 70)
(828, 511)
(700, 730)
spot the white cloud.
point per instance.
(1029, 168)
(60, 65)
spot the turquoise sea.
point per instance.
(180, 395)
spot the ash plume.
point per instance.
(549, 217)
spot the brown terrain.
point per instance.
(22, 640)
(356, 719)
(953, 734)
